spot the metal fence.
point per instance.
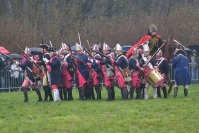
(9, 83)
(193, 71)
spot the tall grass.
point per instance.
(176, 115)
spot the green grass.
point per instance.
(173, 115)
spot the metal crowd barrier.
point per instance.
(193, 71)
(8, 83)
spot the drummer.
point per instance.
(148, 68)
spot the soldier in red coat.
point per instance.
(121, 63)
(108, 72)
(136, 71)
(67, 72)
(82, 72)
(96, 71)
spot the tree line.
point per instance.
(110, 21)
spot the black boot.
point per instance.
(109, 91)
(92, 93)
(45, 93)
(171, 83)
(164, 91)
(175, 91)
(112, 93)
(38, 94)
(50, 93)
(25, 92)
(142, 87)
(70, 96)
(185, 92)
(158, 92)
(65, 93)
(87, 93)
(138, 95)
(81, 91)
(60, 93)
(124, 93)
(132, 92)
(98, 91)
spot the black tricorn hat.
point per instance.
(52, 49)
(180, 51)
(44, 46)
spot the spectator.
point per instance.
(193, 65)
(7, 78)
(15, 73)
(2, 68)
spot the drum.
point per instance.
(154, 77)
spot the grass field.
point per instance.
(172, 115)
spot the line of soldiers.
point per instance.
(133, 74)
(60, 70)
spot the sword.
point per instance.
(179, 43)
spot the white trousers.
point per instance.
(56, 95)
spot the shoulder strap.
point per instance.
(162, 59)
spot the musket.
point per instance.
(74, 56)
(71, 54)
(101, 54)
(36, 68)
(89, 46)
(79, 39)
(24, 53)
(78, 59)
(51, 44)
(43, 67)
(100, 35)
(69, 48)
(88, 53)
(34, 74)
(8, 56)
(42, 40)
(28, 57)
(104, 56)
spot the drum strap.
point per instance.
(162, 59)
(66, 56)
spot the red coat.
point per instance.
(120, 78)
(107, 80)
(142, 41)
(66, 78)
